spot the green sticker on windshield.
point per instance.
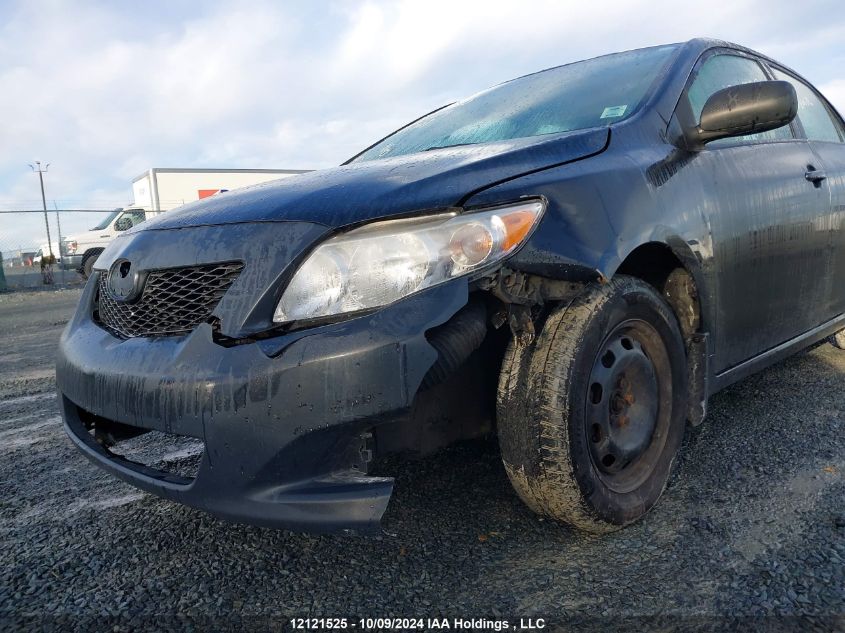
(613, 111)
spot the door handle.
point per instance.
(814, 175)
(108, 235)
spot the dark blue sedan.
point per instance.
(573, 260)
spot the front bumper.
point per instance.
(72, 262)
(281, 419)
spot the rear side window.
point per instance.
(812, 112)
(723, 71)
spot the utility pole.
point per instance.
(58, 227)
(63, 264)
(37, 168)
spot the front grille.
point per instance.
(174, 301)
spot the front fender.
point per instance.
(600, 210)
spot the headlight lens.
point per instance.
(382, 262)
(382, 270)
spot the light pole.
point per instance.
(37, 168)
(63, 264)
(46, 271)
(58, 227)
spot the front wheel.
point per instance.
(591, 416)
(88, 263)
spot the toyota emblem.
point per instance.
(124, 282)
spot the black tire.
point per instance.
(838, 340)
(88, 264)
(548, 407)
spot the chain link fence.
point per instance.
(31, 259)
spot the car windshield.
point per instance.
(104, 224)
(591, 93)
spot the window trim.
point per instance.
(838, 124)
(683, 109)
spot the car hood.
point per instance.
(383, 188)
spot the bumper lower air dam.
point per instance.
(281, 419)
(338, 501)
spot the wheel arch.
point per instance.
(94, 250)
(654, 261)
(673, 270)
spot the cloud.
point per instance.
(106, 90)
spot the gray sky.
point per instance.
(105, 90)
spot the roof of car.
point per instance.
(697, 44)
(706, 43)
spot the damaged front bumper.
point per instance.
(284, 421)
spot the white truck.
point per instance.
(44, 251)
(155, 191)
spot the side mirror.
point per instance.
(746, 109)
(123, 224)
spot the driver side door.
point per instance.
(767, 223)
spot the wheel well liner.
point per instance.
(658, 264)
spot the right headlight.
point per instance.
(379, 263)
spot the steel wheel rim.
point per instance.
(628, 405)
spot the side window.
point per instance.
(812, 112)
(722, 71)
(137, 217)
(128, 220)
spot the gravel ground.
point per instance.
(752, 525)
